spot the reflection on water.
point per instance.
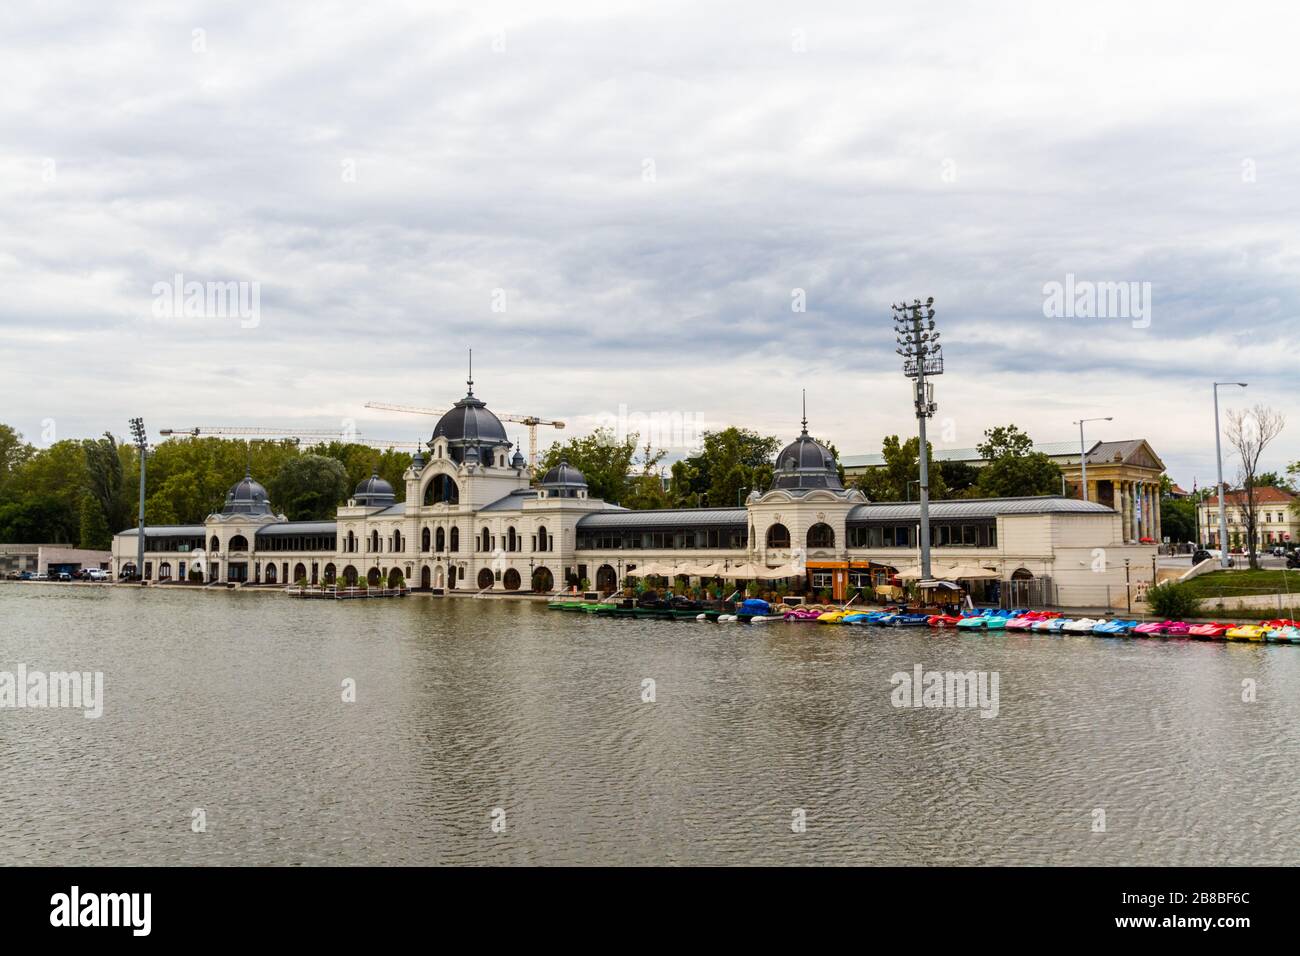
(232, 703)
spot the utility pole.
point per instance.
(1083, 454)
(1218, 455)
(142, 447)
(918, 344)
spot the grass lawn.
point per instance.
(1236, 583)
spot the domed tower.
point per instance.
(563, 481)
(374, 492)
(473, 435)
(805, 464)
(247, 497)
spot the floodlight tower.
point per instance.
(918, 344)
(142, 446)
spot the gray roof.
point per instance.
(974, 508)
(666, 518)
(170, 531)
(298, 527)
(390, 511)
(511, 502)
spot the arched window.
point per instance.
(238, 543)
(214, 544)
(440, 540)
(485, 579)
(442, 490)
(512, 541)
(424, 540)
(455, 539)
(778, 536)
(543, 541)
(821, 535)
(485, 540)
(350, 542)
(398, 543)
(511, 579)
(374, 541)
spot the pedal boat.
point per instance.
(1114, 628)
(1212, 631)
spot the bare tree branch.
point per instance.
(1249, 433)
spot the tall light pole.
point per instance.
(142, 446)
(1218, 454)
(918, 344)
(1083, 452)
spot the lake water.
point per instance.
(232, 703)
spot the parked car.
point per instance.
(95, 574)
(26, 576)
(1208, 554)
(42, 576)
(1293, 559)
(65, 575)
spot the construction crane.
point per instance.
(291, 434)
(532, 421)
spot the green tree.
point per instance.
(681, 485)
(646, 490)
(107, 491)
(309, 487)
(731, 463)
(604, 460)
(94, 533)
(960, 478)
(14, 453)
(1178, 518)
(898, 479)
(1014, 469)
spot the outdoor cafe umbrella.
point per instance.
(970, 572)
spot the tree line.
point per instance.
(83, 491)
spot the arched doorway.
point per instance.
(270, 573)
(606, 579)
(543, 580)
(373, 577)
(395, 578)
(426, 579)
(778, 536)
(438, 578)
(350, 576)
(511, 579)
(821, 535)
(1021, 589)
(485, 578)
(299, 572)
(329, 574)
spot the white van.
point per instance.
(96, 574)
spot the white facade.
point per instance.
(473, 520)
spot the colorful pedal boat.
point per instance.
(1287, 634)
(1246, 632)
(1151, 627)
(943, 620)
(1211, 630)
(1114, 628)
(1083, 625)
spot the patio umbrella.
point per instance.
(971, 572)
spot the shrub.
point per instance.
(1174, 600)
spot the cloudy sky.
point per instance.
(616, 205)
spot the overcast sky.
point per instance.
(614, 203)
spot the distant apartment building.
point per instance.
(1276, 522)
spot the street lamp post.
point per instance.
(142, 446)
(1218, 455)
(1083, 452)
(918, 344)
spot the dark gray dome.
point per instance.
(564, 475)
(247, 497)
(806, 463)
(471, 431)
(517, 459)
(374, 491)
(470, 421)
